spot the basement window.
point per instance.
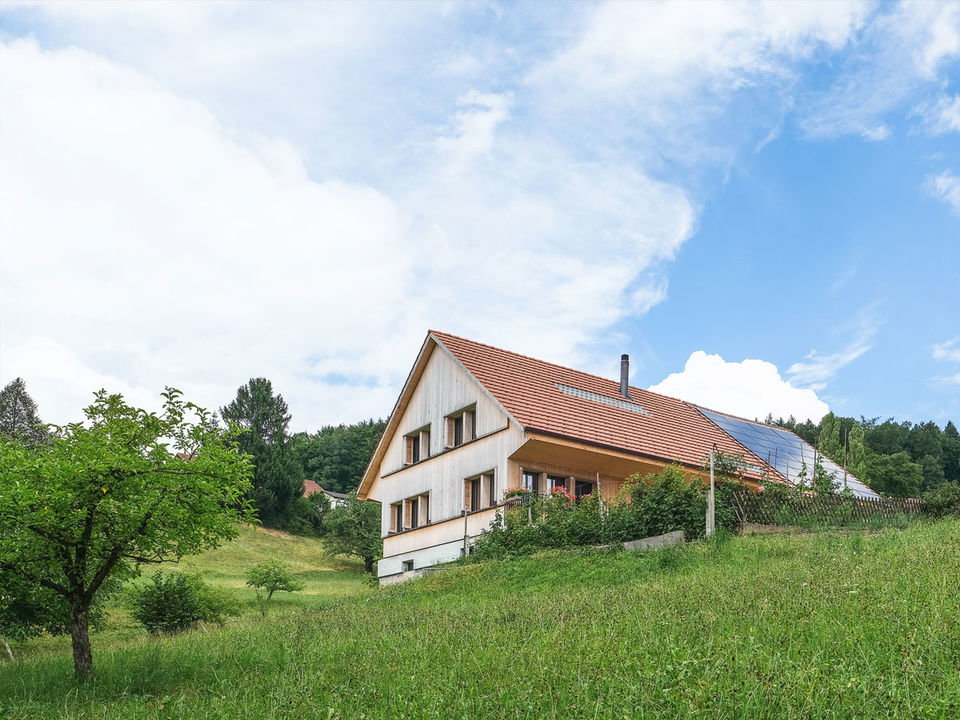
(461, 427)
(407, 565)
(417, 446)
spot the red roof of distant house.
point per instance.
(530, 391)
(310, 487)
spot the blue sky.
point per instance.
(759, 202)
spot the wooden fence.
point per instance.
(776, 509)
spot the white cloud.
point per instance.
(151, 244)
(877, 133)
(901, 51)
(946, 187)
(941, 115)
(947, 351)
(817, 369)
(750, 388)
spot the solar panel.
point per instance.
(786, 452)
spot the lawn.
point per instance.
(814, 626)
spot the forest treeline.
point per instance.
(900, 459)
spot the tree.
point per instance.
(278, 478)
(894, 475)
(18, 414)
(951, 453)
(123, 488)
(336, 456)
(857, 451)
(829, 441)
(270, 576)
(354, 529)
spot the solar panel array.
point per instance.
(786, 452)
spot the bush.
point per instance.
(174, 602)
(649, 505)
(943, 500)
(270, 576)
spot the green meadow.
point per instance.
(830, 625)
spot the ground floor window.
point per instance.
(582, 487)
(479, 491)
(557, 482)
(531, 481)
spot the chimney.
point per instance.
(625, 376)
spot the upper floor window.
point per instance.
(461, 427)
(417, 446)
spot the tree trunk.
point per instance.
(80, 637)
(368, 563)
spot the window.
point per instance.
(582, 488)
(461, 427)
(417, 446)
(410, 514)
(415, 513)
(407, 565)
(531, 481)
(479, 492)
(556, 481)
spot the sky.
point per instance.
(759, 202)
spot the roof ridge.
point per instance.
(544, 362)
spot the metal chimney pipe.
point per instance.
(625, 376)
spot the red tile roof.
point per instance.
(670, 429)
(310, 487)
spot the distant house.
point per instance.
(336, 499)
(474, 421)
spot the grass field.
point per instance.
(817, 626)
(325, 579)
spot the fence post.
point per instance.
(711, 507)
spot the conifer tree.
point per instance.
(18, 414)
(278, 479)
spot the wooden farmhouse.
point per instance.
(474, 421)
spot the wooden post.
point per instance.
(711, 509)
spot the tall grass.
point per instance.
(826, 626)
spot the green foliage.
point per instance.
(829, 441)
(336, 457)
(278, 477)
(27, 610)
(353, 529)
(18, 415)
(306, 515)
(942, 501)
(894, 475)
(270, 576)
(108, 494)
(649, 505)
(173, 602)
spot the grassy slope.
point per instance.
(325, 579)
(760, 627)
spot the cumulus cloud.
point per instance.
(945, 186)
(749, 388)
(151, 244)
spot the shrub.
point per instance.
(174, 602)
(943, 500)
(270, 576)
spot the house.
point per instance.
(474, 421)
(336, 499)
